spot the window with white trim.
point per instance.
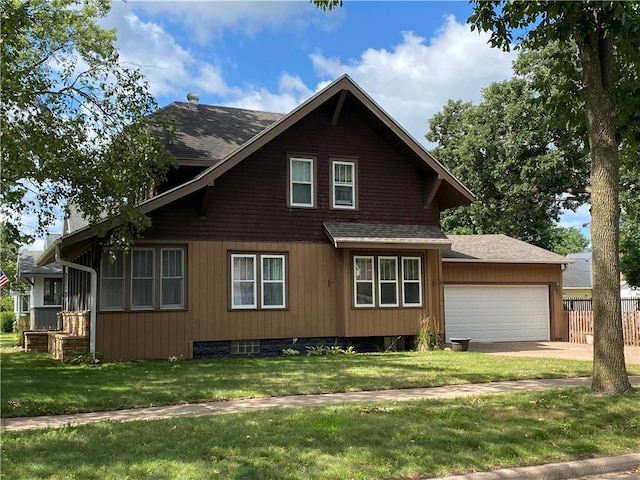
(243, 281)
(388, 281)
(301, 182)
(364, 281)
(273, 292)
(411, 282)
(112, 281)
(396, 278)
(142, 278)
(344, 184)
(258, 280)
(172, 278)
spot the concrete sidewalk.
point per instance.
(293, 401)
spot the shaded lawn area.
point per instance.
(34, 384)
(363, 441)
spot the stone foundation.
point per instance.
(36, 340)
(65, 347)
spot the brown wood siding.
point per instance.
(522, 274)
(312, 305)
(391, 321)
(249, 202)
(319, 304)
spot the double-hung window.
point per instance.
(256, 275)
(273, 281)
(142, 278)
(243, 281)
(301, 182)
(154, 278)
(112, 281)
(364, 280)
(388, 281)
(411, 282)
(382, 280)
(172, 278)
(344, 184)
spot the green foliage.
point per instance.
(630, 225)
(564, 241)
(606, 36)
(56, 388)
(414, 439)
(514, 161)
(6, 302)
(76, 128)
(7, 321)
(290, 352)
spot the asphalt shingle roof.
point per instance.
(578, 274)
(497, 248)
(366, 233)
(27, 266)
(207, 132)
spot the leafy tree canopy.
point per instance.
(517, 162)
(606, 35)
(75, 123)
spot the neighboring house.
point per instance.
(41, 297)
(318, 226)
(576, 278)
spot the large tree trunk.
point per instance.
(597, 58)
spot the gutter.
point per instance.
(92, 295)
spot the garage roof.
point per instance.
(497, 249)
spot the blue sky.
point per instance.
(410, 57)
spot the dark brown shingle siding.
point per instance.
(249, 202)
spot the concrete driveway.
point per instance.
(565, 350)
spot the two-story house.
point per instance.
(318, 226)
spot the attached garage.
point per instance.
(500, 289)
(497, 313)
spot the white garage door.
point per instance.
(497, 313)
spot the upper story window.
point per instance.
(301, 182)
(343, 184)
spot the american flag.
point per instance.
(3, 279)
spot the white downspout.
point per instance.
(92, 296)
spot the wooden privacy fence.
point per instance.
(579, 316)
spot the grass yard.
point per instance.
(365, 441)
(34, 384)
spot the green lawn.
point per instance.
(34, 384)
(365, 441)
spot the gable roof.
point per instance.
(206, 134)
(578, 274)
(497, 249)
(450, 190)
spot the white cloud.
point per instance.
(414, 79)
(206, 20)
(291, 92)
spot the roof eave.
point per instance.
(504, 260)
(396, 244)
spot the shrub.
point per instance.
(7, 320)
(290, 352)
(425, 339)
